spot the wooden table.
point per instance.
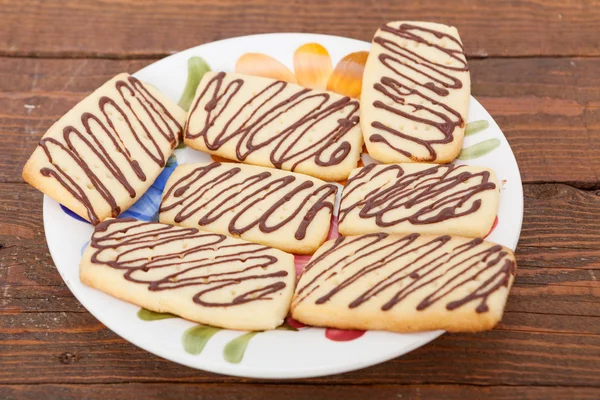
(535, 66)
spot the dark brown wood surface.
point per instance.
(535, 67)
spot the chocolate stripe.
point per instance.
(431, 78)
(154, 119)
(194, 261)
(426, 194)
(240, 196)
(330, 149)
(421, 267)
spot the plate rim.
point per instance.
(240, 370)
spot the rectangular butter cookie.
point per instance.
(103, 154)
(405, 283)
(415, 93)
(272, 123)
(289, 211)
(204, 277)
(423, 198)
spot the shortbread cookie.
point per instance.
(102, 155)
(423, 198)
(204, 277)
(405, 283)
(289, 211)
(415, 93)
(273, 123)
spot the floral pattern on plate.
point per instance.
(312, 65)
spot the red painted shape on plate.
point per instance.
(300, 261)
(293, 323)
(342, 335)
(494, 225)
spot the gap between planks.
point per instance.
(158, 56)
(292, 382)
(579, 185)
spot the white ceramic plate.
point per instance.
(307, 352)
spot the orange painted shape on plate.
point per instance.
(216, 158)
(312, 65)
(259, 64)
(347, 75)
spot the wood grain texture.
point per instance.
(121, 28)
(73, 346)
(540, 104)
(534, 66)
(550, 334)
(286, 391)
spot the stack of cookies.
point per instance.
(412, 255)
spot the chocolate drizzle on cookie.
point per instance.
(266, 110)
(414, 79)
(423, 270)
(214, 264)
(427, 196)
(240, 198)
(144, 116)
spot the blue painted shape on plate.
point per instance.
(85, 245)
(146, 208)
(72, 214)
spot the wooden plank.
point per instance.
(559, 243)
(537, 308)
(36, 93)
(75, 348)
(550, 113)
(122, 28)
(564, 254)
(291, 392)
(548, 344)
(541, 105)
(550, 334)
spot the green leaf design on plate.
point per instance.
(171, 160)
(286, 327)
(197, 67)
(147, 315)
(234, 350)
(476, 127)
(479, 149)
(195, 338)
